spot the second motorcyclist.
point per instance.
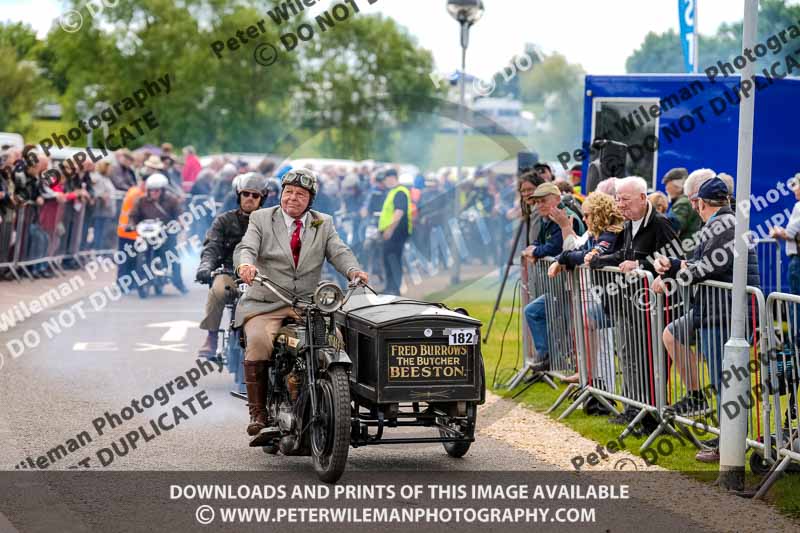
(225, 233)
(159, 204)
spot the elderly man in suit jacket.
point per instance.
(288, 244)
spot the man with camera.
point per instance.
(226, 232)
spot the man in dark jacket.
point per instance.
(549, 243)
(226, 232)
(712, 260)
(645, 232)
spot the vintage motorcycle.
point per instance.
(152, 237)
(308, 395)
(413, 364)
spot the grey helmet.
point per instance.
(252, 182)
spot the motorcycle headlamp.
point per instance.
(328, 297)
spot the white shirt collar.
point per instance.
(290, 221)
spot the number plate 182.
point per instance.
(462, 336)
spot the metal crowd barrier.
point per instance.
(770, 263)
(618, 324)
(696, 370)
(783, 381)
(610, 327)
(28, 242)
(533, 362)
(7, 245)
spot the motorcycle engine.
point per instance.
(292, 338)
(286, 418)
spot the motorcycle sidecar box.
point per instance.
(410, 351)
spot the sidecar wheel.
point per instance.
(330, 435)
(460, 449)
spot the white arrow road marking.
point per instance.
(177, 329)
(147, 347)
(94, 347)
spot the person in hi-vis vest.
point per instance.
(395, 226)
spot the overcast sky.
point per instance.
(599, 35)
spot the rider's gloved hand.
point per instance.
(203, 276)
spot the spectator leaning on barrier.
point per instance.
(547, 244)
(712, 323)
(684, 219)
(31, 191)
(604, 223)
(791, 234)
(645, 232)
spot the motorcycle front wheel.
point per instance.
(330, 434)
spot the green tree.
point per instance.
(553, 90)
(358, 84)
(662, 53)
(21, 86)
(365, 80)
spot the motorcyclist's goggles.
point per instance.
(303, 179)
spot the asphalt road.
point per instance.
(58, 393)
(55, 391)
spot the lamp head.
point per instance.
(465, 11)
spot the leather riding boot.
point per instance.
(209, 348)
(255, 379)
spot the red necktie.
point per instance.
(295, 242)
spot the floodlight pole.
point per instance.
(455, 277)
(733, 429)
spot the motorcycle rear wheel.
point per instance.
(330, 435)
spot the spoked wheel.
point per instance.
(330, 435)
(467, 428)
